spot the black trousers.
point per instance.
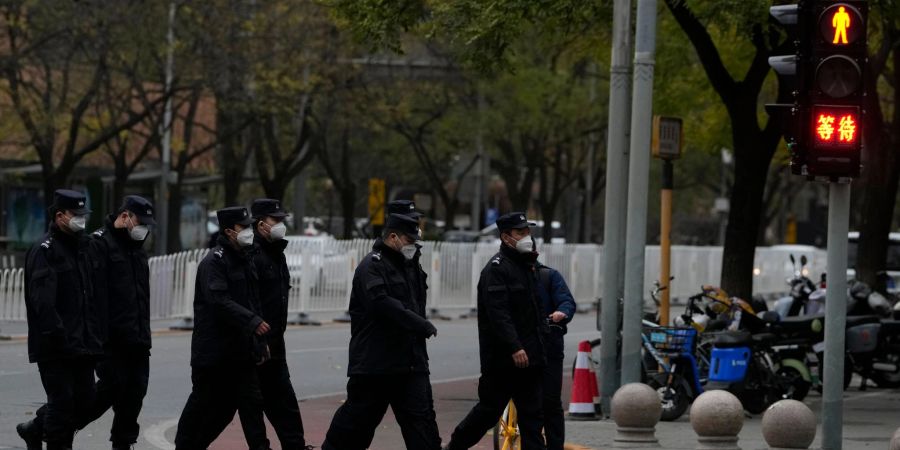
(218, 392)
(554, 418)
(121, 384)
(495, 389)
(280, 404)
(368, 397)
(69, 384)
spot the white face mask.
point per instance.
(138, 232)
(525, 245)
(277, 231)
(77, 223)
(409, 251)
(245, 237)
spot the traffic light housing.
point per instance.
(826, 75)
(836, 94)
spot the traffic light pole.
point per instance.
(638, 187)
(616, 194)
(835, 316)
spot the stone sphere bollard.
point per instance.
(789, 424)
(717, 417)
(895, 441)
(636, 409)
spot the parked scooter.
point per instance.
(802, 287)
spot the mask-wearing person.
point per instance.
(279, 398)
(66, 322)
(228, 340)
(388, 357)
(511, 333)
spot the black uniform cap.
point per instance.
(233, 215)
(69, 200)
(404, 224)
(140, 207)
(263, 207)
(404, 207)
(513, 220)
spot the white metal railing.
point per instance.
(322, 272)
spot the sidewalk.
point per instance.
(870, 419)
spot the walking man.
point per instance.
(228, 340)
(279, 401)
(388, 358)
(558, 307)
(66, 323)
(511, 333)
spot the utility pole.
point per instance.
(616, 194)
(638, 185)
(478, 196)
(162, 208)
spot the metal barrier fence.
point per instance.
(322, 272)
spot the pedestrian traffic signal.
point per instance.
(789, 116)
(836, 79)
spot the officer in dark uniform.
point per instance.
(125, 281)
(388, 359)
(122, 282)
(228, 340)
(414, 266)
(511, 331)
(66, 324)
(279, 401)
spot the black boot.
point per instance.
(30, 433)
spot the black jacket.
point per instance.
(124, 281)
(226, 309)
(64, 318)
(274, 284)
(387, 316)
(509, 318)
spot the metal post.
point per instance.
(614, 217)
(638, 172)
(835, 316)
(162, 209)
(665, 239)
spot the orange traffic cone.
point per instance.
(584, 386)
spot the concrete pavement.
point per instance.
(317, 359)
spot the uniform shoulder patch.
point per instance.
(496, 261)
(219, 253)
(100, 232)
(376, 256)
(47, 243)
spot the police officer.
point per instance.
(413, 266)
(279, 401)
(66, 328)
(511, 330)
(558, 307)
(125, 282)
(388, 359)
(228, 340)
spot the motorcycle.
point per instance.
(801, 287)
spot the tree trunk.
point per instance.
(231, 162)
(880, 183)
(174, 216)
(348, 209)
(746, 209)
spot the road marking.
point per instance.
(317, 350)
(155, 435)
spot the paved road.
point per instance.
(318, 364)
(318, 358)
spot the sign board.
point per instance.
(376, 201)
(667, 137)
